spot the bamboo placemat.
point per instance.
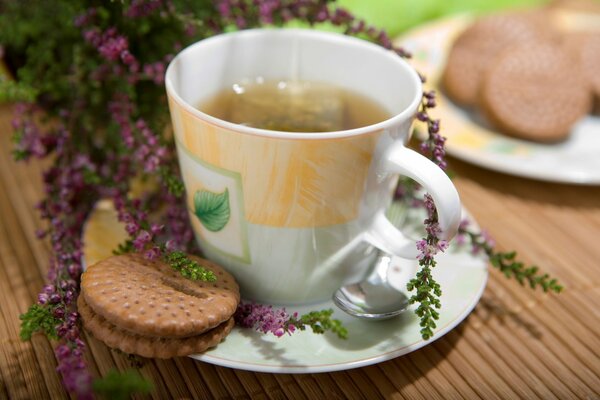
(516, 344)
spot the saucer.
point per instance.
(461, 275)
(574, 160)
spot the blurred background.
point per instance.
(397, 16)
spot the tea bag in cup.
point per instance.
(290, 106)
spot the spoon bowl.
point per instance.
(373, 298)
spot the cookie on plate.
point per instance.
(151, 309)
(585, 47)
(475, 49)
(535, 92)
(151, 347)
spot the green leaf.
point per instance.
(11, 91)
(189, 268)
(39, 318)
(212, 209)
(319, 322)
(120, 386)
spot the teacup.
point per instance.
(295, 215)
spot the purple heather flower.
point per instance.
(93, 36)
(85, 18)
(62, 330)
(422, 247)
(224, 8)
(59, 312)
(142, 8)
(72, 368)
(54, 298)
(141, 240)
(433, 229)
(429, 247)
(461, 236)
(74, 269)
(488, 241)
(127, 57)
(153, 253)
(263, 318)
(156, 228)
(429, 205)
(69, 297)
(43, 298)
(442, 245)
(132, 228)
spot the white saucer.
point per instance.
(575, 160)
(461, 275)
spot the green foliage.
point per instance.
(39, 318)
(120, 386)
(124, 248)
(508, 264)
(11, 91)
(172, 181)
(320, 322)
(59, 70)
(511, 268)
(18, 153)
(189, 268)
(427, 295)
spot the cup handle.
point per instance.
(404, 161)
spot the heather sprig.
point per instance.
(434, 145)
(427, 290)
(39, 318)
(266, 319)
(507, 262)
(189, 268)
(319, 322)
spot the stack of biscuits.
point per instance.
(531, 78)
(146, 308)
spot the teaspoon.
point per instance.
(373, 298)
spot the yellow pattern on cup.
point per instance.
(286, 182)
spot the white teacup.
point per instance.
(295, 215)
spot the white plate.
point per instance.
(461, 275)
(576, 160)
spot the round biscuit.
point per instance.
(150, 347)
(585, 47)
(581, 6)
(475, 49)
(535, 92)
(152, 299)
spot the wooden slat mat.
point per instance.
(516, 344)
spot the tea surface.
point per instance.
(294, 106)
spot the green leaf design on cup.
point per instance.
(212, 209)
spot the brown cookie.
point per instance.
(148, 346)
(535, 92)
(475, 49)
(149, 298)
(582, 6)
(585, 47)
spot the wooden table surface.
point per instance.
(516, 343)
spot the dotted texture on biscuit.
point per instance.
(149, 347)
(151, 299)
(475, 49)
(535, 92)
